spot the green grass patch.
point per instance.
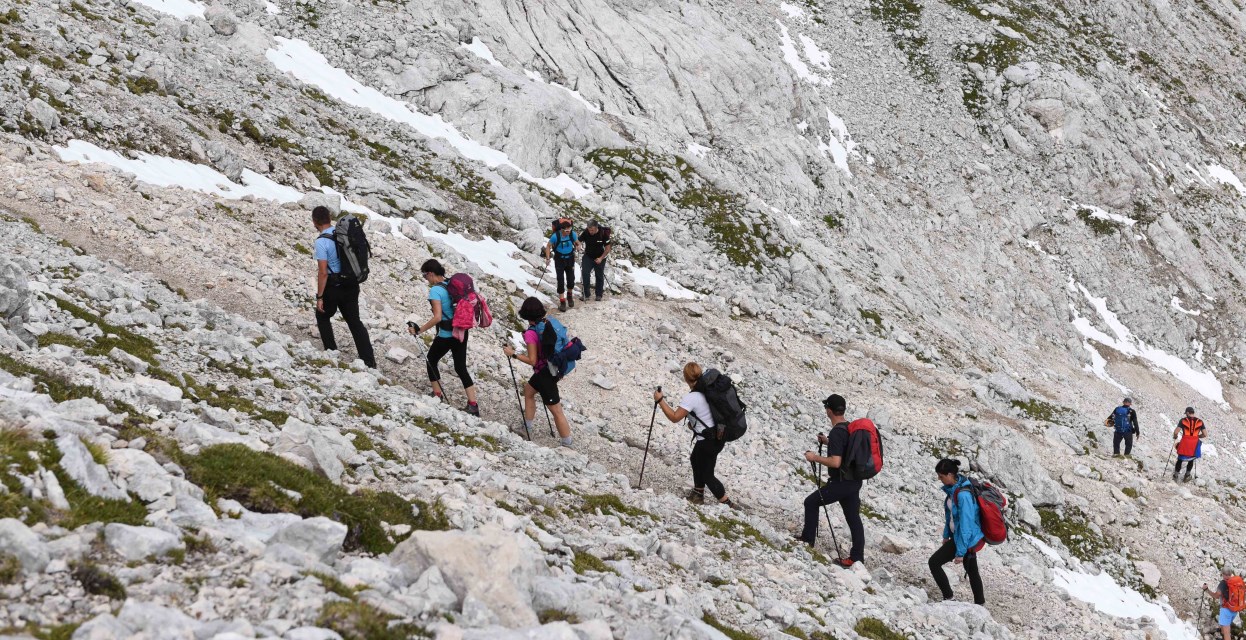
(138, 346)
(1131, 492)
(870, 513)
(10, 569)
(256, 480)
(333, 585)
(546, 616)
(1037, 409)
(363, 443)
(1073, 529)
(98, 582)
(442, 432)
(732, 529)
(726, 630)
(1098, 225)
(585, 562)
(54, 385)
(359, 621)
(876, 629)
(903, 21)
(361, 407)
(606, 504)
(49, 339)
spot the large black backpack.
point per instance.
(353, 249)
(725, 405)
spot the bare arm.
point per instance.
(436, 306)
(672, 414)
(528, 357)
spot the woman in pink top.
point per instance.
(542, 381)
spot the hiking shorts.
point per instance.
(545, 384)
(1227, 618)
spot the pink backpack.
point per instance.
(471, 310)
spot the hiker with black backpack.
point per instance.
(962, 532)
(695, 408)
(596, 241)
(341, 265)
(442, 306)
(1232, 594)
(552, 354)
(1124, 423)
(846, 471)
(1191, 431)
(561, 248)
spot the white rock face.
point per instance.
(78, 464)
(323, 450)
(491, 566)
(140, 543)
(17, 540)
(318, 537)
(14, 291)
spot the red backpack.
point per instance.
(991, 505)
(864, 456)
(1235, 599)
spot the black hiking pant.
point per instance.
(848, 494)
(1117, 437)
(458, 352)
(344, 298)
(589, 267)
(1189, 467)
(946, 554)
(564, 268)
(704, 458)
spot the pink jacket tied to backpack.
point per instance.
(471, 310)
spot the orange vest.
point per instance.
(1191, 431)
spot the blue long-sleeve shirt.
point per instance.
(960, 517)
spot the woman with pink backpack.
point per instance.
(449, 339)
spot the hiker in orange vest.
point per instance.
(1191, 431)
(1232, 593)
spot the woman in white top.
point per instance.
(696, 410)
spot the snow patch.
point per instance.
(1176, 304)
(1121, 602)
(1225, 176)
(298, 59)
(532, 75)
(494, 257)
(180, 9)
(794, 12)
(647, 278)
(1100, 214)
(1099, 366)
(793, 59)
(839, 145)
(697, 150)
(481, 50)
(1125, 342)
(1045, 549)
(272, 8)
(816, 56)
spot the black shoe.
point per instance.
(473, 409)
(1174, 477)
(696, 497)
(1186, 478)
(571, 301)
(598, 298)
(562, 305)
(584, 297)
(800, 540)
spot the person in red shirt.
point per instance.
(1190, 431)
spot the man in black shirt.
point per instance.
(837, 489)
(596, 242)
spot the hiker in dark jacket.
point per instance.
(444, 342)
(596, 241)
(962, 532)
(1124, 423)
(333, 294)
(696, 409)
(837, 489)
(542, 381)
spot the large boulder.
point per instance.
(320, 538)
(223, 21)
(17, 540)
(489, 566)
(139, 543)
(325, 450)
(1008, 459)
(77, 463)
(14, 292)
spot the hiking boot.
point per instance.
(562, 305)
(1116, 455)
(731, 503)
(844, 562)
(696, 497)
(473, 409)
(584, 297)
(1174, 477)
(598, 298)
(571, 301)
(1186, 478)
(796, 539)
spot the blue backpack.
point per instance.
(1120, 419)
(559, 351)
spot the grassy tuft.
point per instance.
(876, 629)
(732, 529)
(1073, 529)
(360, 621)
(585, 562)
(607, 504)
(10, 569)
(98, 582)
(730, 632)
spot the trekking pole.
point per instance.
(1169, 460)
(547, 420)
(647, 440)
(825, 512)
(515, 384)
(415, 327)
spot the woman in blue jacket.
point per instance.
(962, 535)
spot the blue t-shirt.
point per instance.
(564, 246)
(439, 292)
(326, 249)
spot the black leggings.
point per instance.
(458, 351)
(946, 554)
(1189, 467)
(704, 458)
(564, 268)
(848, 494)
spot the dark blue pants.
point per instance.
(1117, 437)
(848, 494)
(589, 268)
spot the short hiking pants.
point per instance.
(1227, 618)
(1117, 437)
(344, 298)
(588, 268)
(704, 458)
(544, 383)
(848, 494)
(946, 554)
(458, 353)
(564, 268)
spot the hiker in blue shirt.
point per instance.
(962, 533)
(332, 294)
(562, 247)
(1124, 423)
(444, 342)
